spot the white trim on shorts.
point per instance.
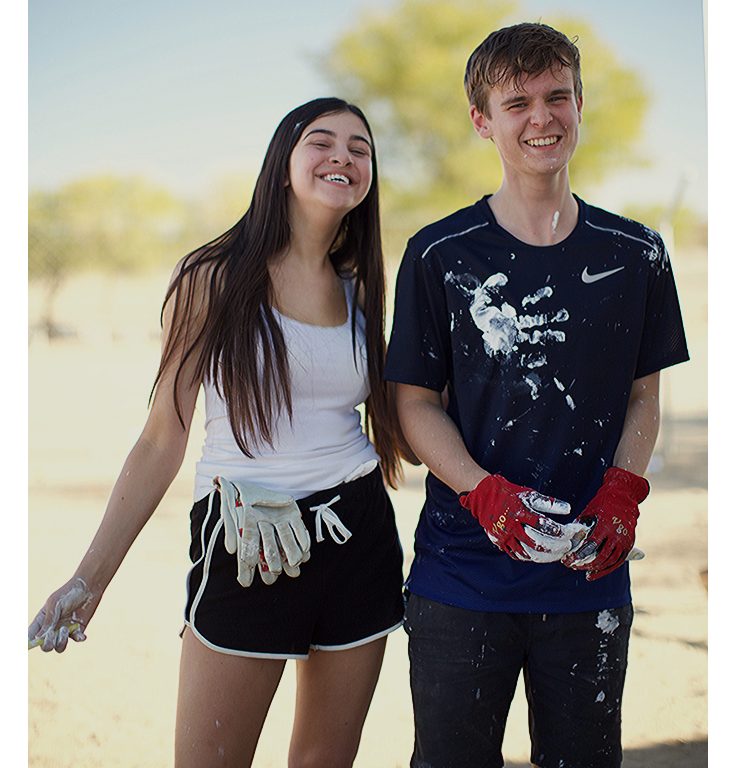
(355, 644)
(201, 590)
(207, 556)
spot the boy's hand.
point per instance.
(503, 509)
(612, 517)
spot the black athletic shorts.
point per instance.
(346, 594)
(464, 667)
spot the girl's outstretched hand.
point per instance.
(64, 615)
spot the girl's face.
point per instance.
(330, 165)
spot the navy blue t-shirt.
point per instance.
(539, 347)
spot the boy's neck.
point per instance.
(542, 215)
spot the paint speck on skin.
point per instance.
(554, 223)
(606, 622)
(218, 724)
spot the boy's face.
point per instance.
(535, 127)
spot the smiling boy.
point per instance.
(547, 321)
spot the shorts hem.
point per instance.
(356, 643)
(245, 653)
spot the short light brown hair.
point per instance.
(512, 54)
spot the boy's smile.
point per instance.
(534, 125)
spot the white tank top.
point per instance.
(324, 443)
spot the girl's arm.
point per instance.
(147, 473)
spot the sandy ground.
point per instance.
(111, 701)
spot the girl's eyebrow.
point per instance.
(354, 137)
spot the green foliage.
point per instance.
(106, 223)
(614, 105)
(124, 224)
(405, 68)
(686, 229)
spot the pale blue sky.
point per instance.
(187, 92)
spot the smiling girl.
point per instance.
(281, 321)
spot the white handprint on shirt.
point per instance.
(507, 332)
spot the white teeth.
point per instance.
(542, 142)
(337, 177)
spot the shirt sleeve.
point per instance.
(664, 339)
(419, 347)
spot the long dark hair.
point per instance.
(236, 341)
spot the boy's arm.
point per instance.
(613, 512)
(435, 438)
(641, 425)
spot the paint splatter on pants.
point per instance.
(464, 667)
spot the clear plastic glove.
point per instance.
(264, 529)
(64, 615)
(507, 512)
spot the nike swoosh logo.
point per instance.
(588, 278)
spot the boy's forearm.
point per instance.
(436, 441)
(641, 425)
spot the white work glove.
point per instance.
(263, 529)
(57, 621)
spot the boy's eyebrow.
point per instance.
(354, 137)
(521, 96)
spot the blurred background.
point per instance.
(148, 121)
(147, 124)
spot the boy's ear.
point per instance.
(481, 123)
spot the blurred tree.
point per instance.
(689, 230)
(405, 67)
(107, 223)
(224, 204)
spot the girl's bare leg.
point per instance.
(222, 705)
(334, 690)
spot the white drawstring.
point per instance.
(332, 521)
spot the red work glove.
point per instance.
(612, 516)
(503, 509)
